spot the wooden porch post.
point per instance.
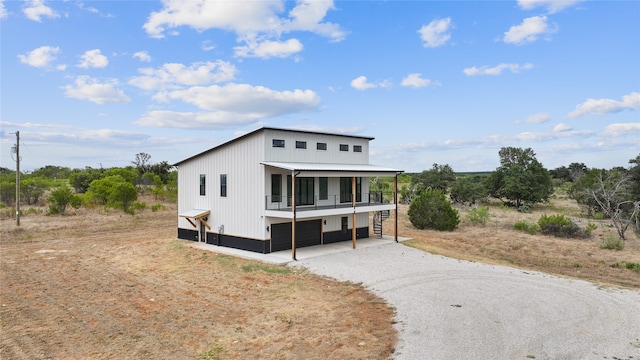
(293, 221)
(395, 200)
(353, 216)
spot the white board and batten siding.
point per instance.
(240, 213)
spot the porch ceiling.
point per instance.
(334, 169)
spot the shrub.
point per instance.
(60, 198)
(612, 243)
(525, 209)
(431, 210)
(559, 225)
(157, 206)
(527, 227)
(479, 215)
(589, 228)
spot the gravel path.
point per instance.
(452, 309)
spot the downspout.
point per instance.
(293, 208)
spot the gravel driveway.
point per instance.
(452, 309)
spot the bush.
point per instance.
(559, 225)
(479, 215)
(157, 206)
(525, 209)
(60, 198)
(529, 228)
(612, 243)
(431, 210)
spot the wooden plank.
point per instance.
(190, 222)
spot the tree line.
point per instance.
(118, 187)
(521, 181)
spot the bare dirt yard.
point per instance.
(498, 242)
(108, 285)
(103, 285)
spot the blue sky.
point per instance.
(92, 83)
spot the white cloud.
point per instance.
(497, 70)
(616, 130)
(606, 106)
(246, 99)
(93, 59)
(436, 33)
(142, 56)
(207, 45)
(415, 80)
(196, 120)
(258, 24)
(361, 83)
(562, 128)
(88, 9)
(36, 9)
(529, 31)
(552, 6)
(40, 57)
(538, 118)
(268, 49)
(173, 76)
(86, 88)
(3, 11)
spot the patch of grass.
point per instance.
(612, 243)
(269, 269)
(525, 226)
(479, 215)
(214, 352)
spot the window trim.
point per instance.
(344, 147)
(321, 146)
(301, 145)
(276, 196)
(203, 184)
(357, 148)
(278, 143)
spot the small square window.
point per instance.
(321, 146)
(278, 143)
(344, 147)
(301, 144)
(357, 148)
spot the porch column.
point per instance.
(395, 200)
(293, 220)
(353, 216)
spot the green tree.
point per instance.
(431, 210)
(129, 173)
(8, 191)
(100, 190)
(52, 172)
(81, 179)
(520, 179)
(122, 195)
(60, 198)
(469, 189)
(581, 193)
(438, 177)
(32, 187)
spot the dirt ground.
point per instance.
(100, 285)
(499, 243)
(108, 285)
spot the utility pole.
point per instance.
(17, 151)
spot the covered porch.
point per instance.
(305, 200)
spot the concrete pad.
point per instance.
(284, 257)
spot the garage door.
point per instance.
(308, 233)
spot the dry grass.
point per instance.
(108, 285)
(499, 243)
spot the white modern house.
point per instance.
(278, 189)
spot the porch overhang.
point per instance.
(333, 170)
(197, 215)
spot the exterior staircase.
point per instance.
(378, 218)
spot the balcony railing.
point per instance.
(274, 202)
